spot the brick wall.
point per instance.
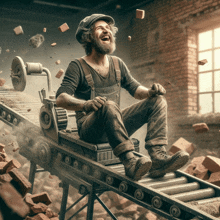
(164, 49)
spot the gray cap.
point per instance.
(86, 23)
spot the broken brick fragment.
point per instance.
(2, 81)
(182, 144)
(212, 163)
(29, 200)
(60, 73)
(10, 165)
(20, 182)
(200, 127)
(18, 30)
(42, 197)
(202, 62)
(140, 14)
(64, 27)
(38, 208)
(53, 44)
(11, 203)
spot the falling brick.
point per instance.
(2, 81)
(36, 40)
(202, 62)
(53, 44)
(58, 62)
(18, 30)
(7, 50)
(60, 73)
(45, 30)
(64, 27)
(140, 14)
(212, 163)
(42, 197)
(182, 144)
(129, 38)
(200, 127)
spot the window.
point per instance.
(209, 73)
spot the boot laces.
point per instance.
(162, 154)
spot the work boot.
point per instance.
(136, 168)
(163, 163)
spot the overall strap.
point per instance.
(87, 73)
(117, 69)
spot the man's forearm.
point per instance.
(68, 102)
(141, 93)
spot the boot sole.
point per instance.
(178, 161)
(142, 167)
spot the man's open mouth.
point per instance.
(105, 38)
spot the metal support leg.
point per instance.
(32, 172)
(64, 201)
(91, 199)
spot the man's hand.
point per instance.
(94, 104)
(156, 89)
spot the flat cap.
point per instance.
(86, 23)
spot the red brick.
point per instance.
(64, 27)
(182, 144)
(20, 182)
(60, 73)
(200, 127)
(10, 165)
(212, 163)
(201, 172)
(29, 200)
(198, 160)
(42, 197)
(190, 169)
(50, 213)
(215, 178)
(140, 14)
(13, 200)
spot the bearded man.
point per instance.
(91, 87)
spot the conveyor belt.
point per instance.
(168, 196)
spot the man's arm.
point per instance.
(69, 102)
(144, 93)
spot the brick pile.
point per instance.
(15, 201)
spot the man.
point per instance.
(91, 87)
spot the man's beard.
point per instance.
(103, 48)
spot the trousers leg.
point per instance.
(107, 121)
(152, 111)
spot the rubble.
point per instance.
(36, 40)
(18, 30)
(182, 144)
(200, 127)
(60, 73)
(64, 27)
(140, 14)
(212, 163)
